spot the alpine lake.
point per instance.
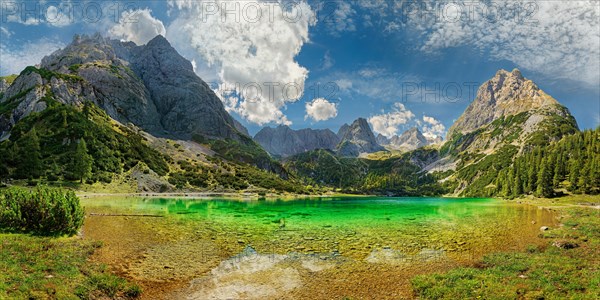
(310, 248)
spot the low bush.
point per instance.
(42, 211)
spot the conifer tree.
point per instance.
(584, 179)
(532, 174)
(517, 185)
(574, 174)
(82, 162)
(508, 189)
(544, 183)
(30, 163)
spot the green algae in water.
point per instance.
(357, 224)
(306, 213)
(378, 234)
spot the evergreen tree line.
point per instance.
(65, 142)
(24, 157)
(571, 164)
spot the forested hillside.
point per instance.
(396, 176)
(571, 164)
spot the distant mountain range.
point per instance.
(150, 123)
(283, 141)
(411, 139)
(351, 140)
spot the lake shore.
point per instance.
(153, 254)
(563, 267)
(212, 195)
(158, 248)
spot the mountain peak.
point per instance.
(413, 130)
(159, 41)
(409, 140)
(284, 141)
(361, 122)
(515, 73)
(507, 93)
(357, 138)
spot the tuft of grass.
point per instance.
(56, 268)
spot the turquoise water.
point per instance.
(355, 225)
(224, 244)
(353, 212)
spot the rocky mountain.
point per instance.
(284, 141)
(509, 110)
(129, 103)
(3, 85)
(240, 127)
(509, 117)
(343, 131)
(507, 93)
(151, 86)
(409, 140)
(350, 141)
(382, 139)
(357, 138)
(318, 138)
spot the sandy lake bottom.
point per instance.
(326, 248)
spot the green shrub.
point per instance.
(42, 211)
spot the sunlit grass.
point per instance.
(55, 268)
(552, 272)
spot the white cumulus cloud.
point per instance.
(320, 110)
(56, 18)
(138, 26)
(560, 39)
(387, 124)
(432, 127)
(15, 59)
(252, 50)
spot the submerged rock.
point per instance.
(565, 244)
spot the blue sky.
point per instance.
(321, 64)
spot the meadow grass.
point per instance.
(568, 267)
(34, 267)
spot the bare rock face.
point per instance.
(357, 138)
(3, 85)
(382, 140)
(186, 104)
(318, 138)
(151, 86)
(240, 127)
(507, 93)
(23, 97)
(409, 140)
(281, 140)
(343, 130)
(284, 141)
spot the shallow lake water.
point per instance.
(307, 248)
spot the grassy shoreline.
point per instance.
(212, 195)
(33, 267)
(566, 268)
(64, 268)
